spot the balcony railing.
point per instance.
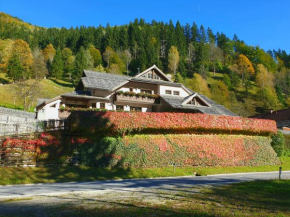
(121, 97)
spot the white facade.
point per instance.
(163, 89)
(49, 111)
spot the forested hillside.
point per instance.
(246, 79)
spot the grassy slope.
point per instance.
(244, 109)
(48, 89)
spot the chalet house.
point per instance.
(148, 91)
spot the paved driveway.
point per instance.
(159, 183)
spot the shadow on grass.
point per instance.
(62, 84)
(4, 81)
(268, 196)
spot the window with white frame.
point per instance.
(176, 93)
(168, 92)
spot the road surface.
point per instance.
(157, 183)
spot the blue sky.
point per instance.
(258, 22)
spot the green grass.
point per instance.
(258, 198)
(21, 175)
(48, 89)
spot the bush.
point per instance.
(278, 143)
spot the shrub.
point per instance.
(278, 143)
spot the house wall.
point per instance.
(163, 88)
(48, 112)
(101, 93)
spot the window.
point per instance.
(131, 89)
(169, 92)
(119, 107)
(156, 77)
(102, 105)
(176, 93)
(146, 91)
(135, 109)
(150, 75)
(94, 105)
(196, 101)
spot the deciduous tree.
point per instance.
(173, 59)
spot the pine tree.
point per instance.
(57, 65)
(83, 61)
(15, 70)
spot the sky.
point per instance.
(257, 22)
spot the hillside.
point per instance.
(244, 78)
(47, 89)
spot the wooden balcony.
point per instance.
(63, 114)
(136, 99)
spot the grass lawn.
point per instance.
(21, 175)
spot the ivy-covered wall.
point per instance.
(179, 149)
(112, 139)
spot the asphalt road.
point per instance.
(159, 183)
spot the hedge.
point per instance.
(178, 149)
(125, 123)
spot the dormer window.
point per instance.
(176, 93)
(196, 101)
(168, 92)
(156, 77)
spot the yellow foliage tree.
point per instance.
(173, 59)
(267, 94)
(198, 84)
(243, 67)
(48, 52)
(23, 51)
(264, 78)
(6, 48)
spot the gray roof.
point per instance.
(41, 100)
(155, 81)
(83, 94)
(214, 108)
(102, 80)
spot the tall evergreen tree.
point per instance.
(57, 68)
(15, 70)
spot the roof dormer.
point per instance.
(153, 73)
(196, 100)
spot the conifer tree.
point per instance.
(15, 71)
(57, 65)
